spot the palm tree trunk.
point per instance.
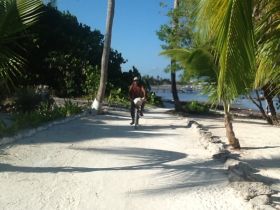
(233, 141)
(178, 106)
(97, 104)
(269, 99)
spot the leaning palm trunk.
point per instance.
(97, 104)
(268, 96)
(259, 105)
(233, 141)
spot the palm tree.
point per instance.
(15, 17)
(97, 103)
(240, 50)
(230, 25)
(177, 33)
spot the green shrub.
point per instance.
(27, 120)
(92, 78)
(154, 99)
(44, 113)
(196, 107)
(70, 108)
(118, 98)
(50, 112)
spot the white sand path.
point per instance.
(100, 162)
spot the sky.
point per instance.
(134, 29)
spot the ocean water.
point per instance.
(242, 102)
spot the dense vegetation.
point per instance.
(57, 52)
(66, 55)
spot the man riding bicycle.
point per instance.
(136, 90)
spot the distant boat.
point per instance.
(188, 89)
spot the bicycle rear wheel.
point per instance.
(136, 117)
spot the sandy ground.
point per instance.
(260, 144)
(100, 162)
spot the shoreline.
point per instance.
(241, 102)
(237, 112)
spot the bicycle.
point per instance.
(138, 103)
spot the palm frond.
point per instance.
(267, 34)
(15, 17)
(179, 54)
(268, 65)
(230, 24)
(29, 10)
(196, 62)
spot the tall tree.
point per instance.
(178, 33)
(97, 103)
(173, 65)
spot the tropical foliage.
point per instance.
(68, 59)
(246, 34)
(15, 17)
(238, 51)
(232, 29)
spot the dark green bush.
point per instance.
(26, 100)
(49, 112)
(196, 107)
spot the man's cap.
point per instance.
(135, 79)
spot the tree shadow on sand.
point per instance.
(174, 170)
(98, 127)
(171, 175)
